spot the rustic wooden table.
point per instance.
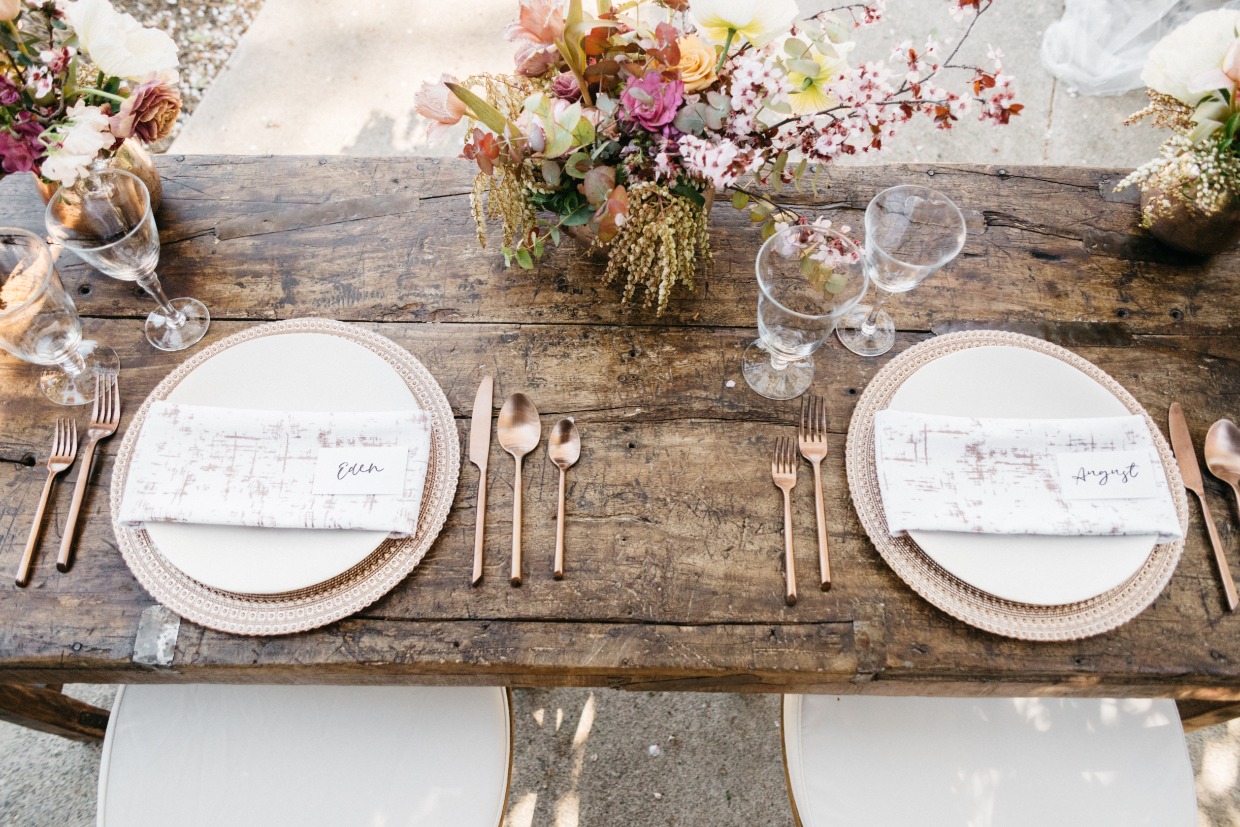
(674, 540)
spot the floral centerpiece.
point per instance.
(78, 79)
(624, 123)
(1191, 192)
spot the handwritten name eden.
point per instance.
(361, 471)
(354, 469)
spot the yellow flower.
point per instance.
(758, 21)
(809, 93)
(697, 63)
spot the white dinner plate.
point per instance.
(1011, 382)
(293, 372)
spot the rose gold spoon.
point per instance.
(518, 430)
(564, 448)
(1223, 455)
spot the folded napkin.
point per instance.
(278, 469)
(1022, 476)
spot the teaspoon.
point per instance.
(563, 448)
(518, 430)
(1223, 455)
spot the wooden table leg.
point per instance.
(48, 710)
(1200, 714)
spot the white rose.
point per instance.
(118, 44)
(1191, 50)
(84, 136)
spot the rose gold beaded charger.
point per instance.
(337, 596)
(1027, 621)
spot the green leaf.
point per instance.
(795, 48)
(482, 111)
(800, 173)
(507, 251)
(578, 164)
(777, 171)
(807, 67)
(555, 236)
(1233, 124)
(740, 200)
(768, 230)
(686, 191)
(525, 259)
(578, 217)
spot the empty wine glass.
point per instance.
(808, 277)
(39, 324)
(909, 233)
(106, 219)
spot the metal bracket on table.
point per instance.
(156, 641)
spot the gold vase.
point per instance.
(131, 157)
(1180, 224)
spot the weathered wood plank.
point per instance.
(48, 710)
(1042, 240)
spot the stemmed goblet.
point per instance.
(105, 218)
(910, 232)
(39, 324)
(808, 277)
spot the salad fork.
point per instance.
(784, 473)
(64, 450)
(105, 416)
(812, 440)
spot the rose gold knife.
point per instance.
(1186, 457)
(479, 448)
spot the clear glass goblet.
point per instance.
(105, 218)
(808, 277)
(39, 324)
(910, 232)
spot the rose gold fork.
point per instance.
(105, 415)
(784, 473)
(64, 449)
(812, 440)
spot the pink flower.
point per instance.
(565, 87)
(149, 113)
(651, 101)
(436, 103)
(9, 91)
(539, 25)
(1226, 76)
(21, 150)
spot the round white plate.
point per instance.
(294, 372)
(1011, 382)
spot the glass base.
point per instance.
(771, 382)
(875, 343)
(63, 389)
(163, 336)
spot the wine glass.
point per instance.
(105, 218)
(39, 324)
(910, 232)
(808, 277)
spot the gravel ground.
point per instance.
(205, 31)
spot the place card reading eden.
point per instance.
(1107, 475)
(361, 471)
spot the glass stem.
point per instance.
(871, 321)
(778, 363)
(150, 283)
(73, 364)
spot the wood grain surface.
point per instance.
(673, 574)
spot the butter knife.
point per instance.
(479, 448)
(1190, 470)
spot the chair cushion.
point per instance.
(305, 756)
(987, 762)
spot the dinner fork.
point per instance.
(105, 415)
(812, 440)
(64, 449)
(784, 473)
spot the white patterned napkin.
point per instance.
(279, 469)
(1022, 476)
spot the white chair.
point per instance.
(986, 762)
(335, 756)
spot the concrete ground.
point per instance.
(313, 77)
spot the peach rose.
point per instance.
(697, 63)
(9, 9)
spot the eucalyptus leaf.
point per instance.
(795, 48)
(804, 66)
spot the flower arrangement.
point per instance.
(626, 122)
(78, 78)
(1192, 76)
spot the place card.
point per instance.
(361, 471)
(1107, 475)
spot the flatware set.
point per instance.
(519, 431)
(64, 451)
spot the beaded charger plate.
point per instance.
(1027, 621)
(363, 577)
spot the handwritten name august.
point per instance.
(1104, 475)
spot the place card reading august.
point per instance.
(1107, 475)
(361, 471)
